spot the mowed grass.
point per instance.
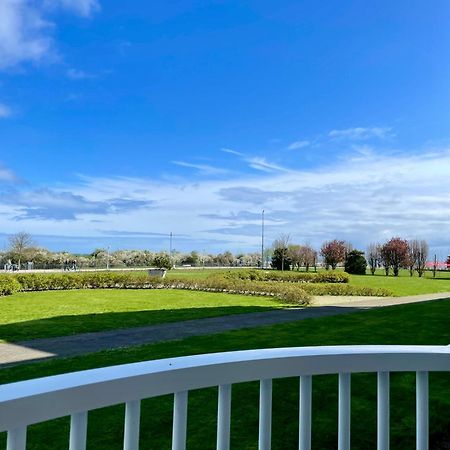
(31, 315)
(425, 323)
(404, 284)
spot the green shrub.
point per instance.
(292, 277)
(355, 263)
(289, 287)
(8, 285)
(345, 289)
(120, 280)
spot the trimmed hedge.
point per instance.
(291, 276)
(345, 289)
(116, 280)
(287, 290)
(83, 280)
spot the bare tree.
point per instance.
(309, 256)
(373, 257)
(19, 243)
(295, 254)
(418, 253)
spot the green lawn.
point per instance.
(404, 284)
(31, 315)
(425, 323)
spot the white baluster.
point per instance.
(223, 417)
(344, 412)
(422, 411)
(304, 437)
(383, 411)
(265, 415)
(179, 421)
(132, 423)
(17, 439)
(78, 431)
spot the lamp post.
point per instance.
(262, 240)
(170, 250)
(107, 257)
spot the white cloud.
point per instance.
(7, 175)
(364, 199)
(5, 111)
(361, 133)
(203, 168)
(265, 166)
(80, 7)
(24, 34)
(231, 151)
(26, 31)
(298, 144)
(76, 74)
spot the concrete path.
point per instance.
(40, 349)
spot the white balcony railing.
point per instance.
(29, 402)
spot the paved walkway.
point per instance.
(40, 349)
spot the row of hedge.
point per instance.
(345, 289)
(288, 276)
(287, 292)
(116, 280)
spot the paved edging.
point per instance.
(39, 349)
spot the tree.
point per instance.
(355, 263)
(373, 257)
(191, 259)
(280, 257)
(394, 253)
(309, 256)
(295, 254)
(162, 261)
(333, 253)
(417, 256)
(19, 244)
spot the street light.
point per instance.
(262, 240)
(170, 250)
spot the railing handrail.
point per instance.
(27, 402)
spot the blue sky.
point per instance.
(123, 121)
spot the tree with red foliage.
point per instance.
(333, 253)
(394, 253)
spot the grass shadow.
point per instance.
(76, 324)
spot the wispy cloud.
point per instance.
(5, 111)
(265, 166)
(298, 144)
(76, 74)
(203, 168)
(361, 133)
(26, 33)
(232, 152)
(361, 199)
(7, 175)
(256, 162)
(47, 204)
(83, 8)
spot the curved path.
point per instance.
(80, 344)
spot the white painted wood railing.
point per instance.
(29, 402)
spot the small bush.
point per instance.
(8, 285)
(355, 263)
